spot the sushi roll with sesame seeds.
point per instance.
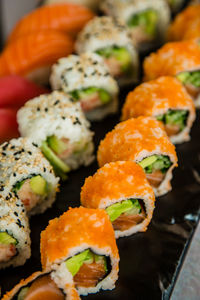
(110, 39)
(81, 246)
(146, 20)
(14, 230)
(59, 127)
(144, 141)
(127, 196)
(27, 173)
(43, 285)
(86, 78)
(166, 100)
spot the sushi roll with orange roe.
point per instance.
(43, 286)
(166, 100)
(178, 59)
(144, 141)
(127, 196)
(32, 55)
(81, 246)
(183, 23)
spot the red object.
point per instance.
(16, 90)
(8, 124)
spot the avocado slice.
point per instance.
(115, 210)
(7, 239)
(192, 78)
(59, 166)
(136, 208)
(22, 293)
(147, 161)
(56, 144)
(104, 96)
(74, 263)
(100, 258)
(38, 185)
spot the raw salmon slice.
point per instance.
(44, 289)
(155, 178)
(172, 129)
(124, 222)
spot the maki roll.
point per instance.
(110, 39)
(147, 20)
(179, 59)
(14, 230)
(127, 196)
(86, 78)
(184, 23)
(144, 141)
(27, 173)
(43, 285)
(81, 245)
(166, 100)
(59, 127)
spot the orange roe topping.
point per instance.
(156, 97)
(114, 181)
(172, 58)
(135, 139)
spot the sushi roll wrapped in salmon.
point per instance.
(110, 39)
(86, 78)
(144, 141)
(92, 4)
(32, 55)
(147, 20)
(178, 59)
(43, 285)
(67, 18)
(14, 230)
(27, 173)
(184, 23)
(166, 100)
(127, 196)
(81, 246)
(59, 127)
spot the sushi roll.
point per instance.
(178, 59)
(147, 20)
(68, 18)
(110, 39)
(59, 127)
(144, 141)
(86, 78)
(184, 23)
(166, 100)
(14, 230)
(32, 55)
(81, 246)
(27, 173)
(127, 196)
(92, 4)
(43, 285)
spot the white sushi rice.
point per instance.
(85, 71)
(13, 220)
(22, 159)
(102, 32)
(56, 114)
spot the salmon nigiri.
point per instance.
(69, 18)
(31, 56)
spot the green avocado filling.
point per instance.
(155, 162)
(121, 54)
(38, 185)
(48, 147)
(22, 293)
(104, 96)
(147, 19)
(192, 78)
(74, 263)
(130, 206)
(175, 117)
(7, 239)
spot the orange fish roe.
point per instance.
(173, 58)
(184, 22)
(156, 97)
(193, 30)
(135, 139)
(76, 230)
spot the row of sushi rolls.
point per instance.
(86, 58)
